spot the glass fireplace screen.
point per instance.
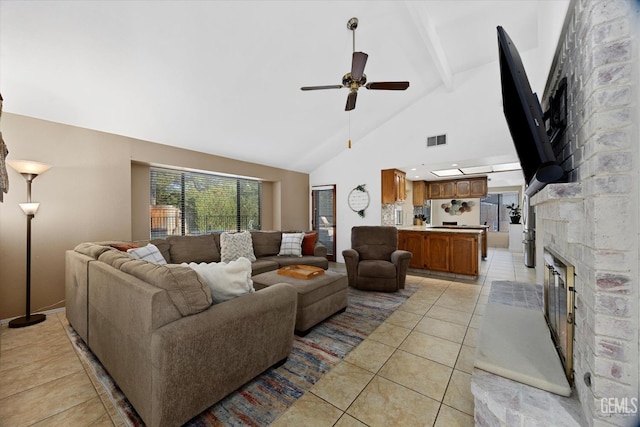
(559, 297)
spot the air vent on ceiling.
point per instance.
(432, 141)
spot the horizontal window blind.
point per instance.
(193, 203)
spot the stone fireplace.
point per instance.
(592, 221)
(591, 224)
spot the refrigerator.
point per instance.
(529, 232)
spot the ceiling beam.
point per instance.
(429, 35)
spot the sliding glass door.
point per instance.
(324, 217)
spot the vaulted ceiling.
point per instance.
(224, 77)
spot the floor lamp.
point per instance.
(29, 170)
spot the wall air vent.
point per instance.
(433, 141)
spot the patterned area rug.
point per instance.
(266, 397)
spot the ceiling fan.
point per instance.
(356, 78)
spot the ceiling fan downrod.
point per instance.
(352, 24)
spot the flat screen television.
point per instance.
(525, 120)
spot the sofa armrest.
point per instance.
(199, 359)
(320, 250)
(351, 259)
(401, 259)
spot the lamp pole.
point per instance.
(29, 170)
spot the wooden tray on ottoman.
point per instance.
(301, 271)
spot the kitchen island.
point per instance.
(448, 249)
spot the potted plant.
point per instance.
(515, 214)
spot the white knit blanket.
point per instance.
(226, 280)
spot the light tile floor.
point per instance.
(415, 369)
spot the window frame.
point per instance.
(184, 202)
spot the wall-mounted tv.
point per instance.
(525, 120)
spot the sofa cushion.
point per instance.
(309, 243)
(264, 264)
(186, 290)
(115, 258)
(226, 280)
(93, 250)
(376, 268)
(148, 253)
(193, 249)
(291, 244)
(163, 246)
(236, 245)
(266, 243)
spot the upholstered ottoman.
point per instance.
(318, 297)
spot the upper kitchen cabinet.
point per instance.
(394, 184)
(470, 187)
(420, 193)
(442, 189)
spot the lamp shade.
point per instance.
(29, 167)
(30, 208)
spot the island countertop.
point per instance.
(470, 229)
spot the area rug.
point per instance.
(261, 401)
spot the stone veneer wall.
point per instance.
(593, 219)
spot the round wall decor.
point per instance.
(359, 200)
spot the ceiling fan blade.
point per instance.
(351, 101)
(388, 85)
(321, 87)
(358, 61)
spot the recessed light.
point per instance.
(454, 164)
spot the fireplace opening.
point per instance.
(559, 306)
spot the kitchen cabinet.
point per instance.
(414, 243)
(393, 186)
(444, 251)
(441, 189)
(419, 193)
(464, 254)
(471, 187)
(437, 251)
(478, 187)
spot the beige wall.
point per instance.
(98, 189)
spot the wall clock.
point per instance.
(359, 200)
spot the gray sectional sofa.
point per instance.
(154, 329)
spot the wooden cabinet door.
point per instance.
(464, 254)
(434, 190)
(388, 186)
(478, 187)
(401, 186)
(414, 243)
(448, 190)
(419, 193)
(437, 251)
(393, 186)
(463, 188)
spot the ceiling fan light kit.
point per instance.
(356, 78)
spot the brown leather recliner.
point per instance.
(374, 261)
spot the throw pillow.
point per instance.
(124, 247)
(291, 244)
(236, 245)
(148, 253)
(309, 243)
(226, 280)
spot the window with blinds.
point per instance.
(193, 203)
(493, 210)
